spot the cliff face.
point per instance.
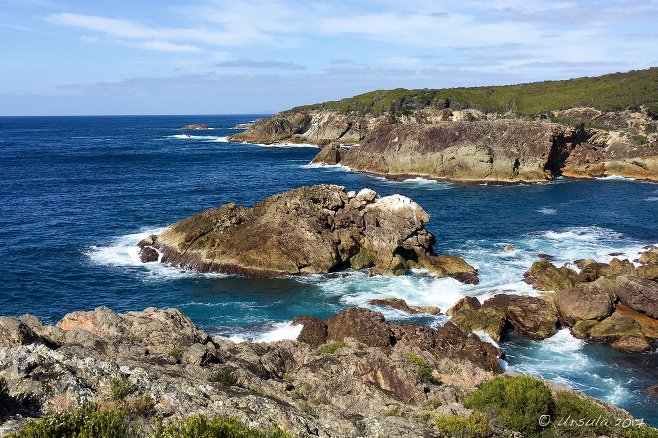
(468, 145)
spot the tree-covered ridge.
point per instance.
(611, 92)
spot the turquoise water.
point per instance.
(77, 194)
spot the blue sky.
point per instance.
(232, 56)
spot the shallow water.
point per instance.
(77, 194)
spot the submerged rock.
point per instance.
(308, 230)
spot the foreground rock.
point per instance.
(307, 230)
(344, 391)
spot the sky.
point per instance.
(107, 57)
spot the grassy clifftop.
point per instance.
(612, 92)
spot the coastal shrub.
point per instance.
(393, 411)
(176, 353)
(329, 348)
(88, 421)
(225, 376)
(142, 407)
(639, 139)
(569, 409)
(475, 426)
(651, 128)
(4, 391)
(424, 370)
(121, 388)
(519, 402)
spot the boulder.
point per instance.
(466, 303)
(638, 294)
(507, 248)
(648, 272)
(331, 154)
(364, 325)
(533, 317)
(490, 319)
(618, 267)
(308, 230)
(314, 330)
(582, 328)
(632, 343)
(555, 279)
(400, 304)
(615, 327)
(590, 272)
(592, 302)
(14, 333)
(650, 256)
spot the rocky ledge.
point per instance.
(470, 146)
(307, 230)
(351, 375)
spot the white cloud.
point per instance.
(162, 46)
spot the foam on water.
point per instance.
(209, 138)
(615, 178)
(547, 211)
(272, 332)
(124, 252)
(339, 167)
(285, 145)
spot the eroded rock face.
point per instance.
(639, 294)
(286, 382)
(308, 230)
(534, 317)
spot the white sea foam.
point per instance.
(615, 178)
(277, 331)
(547, 211)
(339, 167)
(486, 338)
(206, 138)
(286, 145)
(652, 199)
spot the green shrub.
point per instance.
(4, 391)
(639, 139)
(424, 370)
(394, 411)
(224, 376)
(519, 402)
(87, 421)
(329, 348)
(651, 128)
(121, 388)
(475, 426)
(142, 407)
(176, 353)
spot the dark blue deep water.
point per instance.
(77, 193)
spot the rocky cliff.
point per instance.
(307, 230)
(469, 145)
(351, 375)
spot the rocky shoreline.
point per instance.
(470, 146)
(353, 374)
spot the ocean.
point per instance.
(78, 193)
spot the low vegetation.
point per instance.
(121, 388)
(612, 92)
(474, 426)
(90, 421)
(425, 374)
(519, 403)
(225, 376)
(329, 348)
(4, 391)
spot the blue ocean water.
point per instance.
(77, 194)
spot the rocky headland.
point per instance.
(417, 133)
(307, 230)
(353, 374)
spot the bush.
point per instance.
(424, 371)
(224, 376)
(329, 348)
(142, 407)
(475, 426)
(121, 388)
(200, 426)
(176, 353)
(87, 421)
(4, 391)
(519, 402)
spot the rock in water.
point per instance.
(308, 230)
(195, 126)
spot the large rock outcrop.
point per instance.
(308, 230)
(431, 144)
